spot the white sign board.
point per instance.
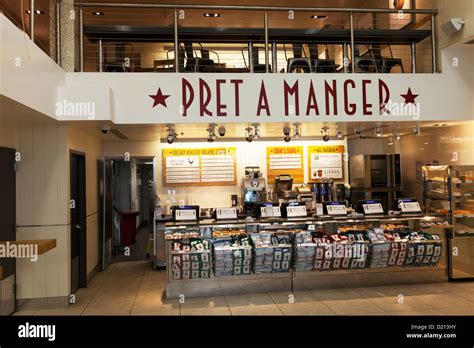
(373, 208)
(270, 211)
(185, 214)
(226, 213)
(410, 207)
(337, 209)
(296, 211)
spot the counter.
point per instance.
(291, 279)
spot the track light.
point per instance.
(417, 130)
(325, 133)
(397, 134)
(171, 134)
(221, 131)
(296, 130)
(359, 133)
(286, 133)
(338, 131)
(390, 142)
(212, 132)
(378, 130)
(256, 130)
(249, 134)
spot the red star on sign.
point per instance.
(409, 97)
(159, 98)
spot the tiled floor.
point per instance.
(134, 288)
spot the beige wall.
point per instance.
(92, 147)
(41, 200)
(248, 154)
(451, 9)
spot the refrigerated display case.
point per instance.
(449, 190)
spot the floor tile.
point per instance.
(443, 301)
(418, 312)
(206, 311)
(256, 310)
(422, 289)
(458, 311)
(205, 303)
(352, 306)
(296, 297)
(337, 294)
(155, 310)
(305, 308)
(23, 313)
(249, 300)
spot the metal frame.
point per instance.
(175, 7)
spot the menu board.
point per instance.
(285, 160)
(326, 162)
(199, 167)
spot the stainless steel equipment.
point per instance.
(253, 187)
(375, 177)
(283, 187)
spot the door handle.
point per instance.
(78, 227)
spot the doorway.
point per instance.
(7, 225)
(129, 200)
(78, 220)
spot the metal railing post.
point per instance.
(267, 58)
(344, 57)
(32, 20)
(352, 43)
(413, 57)
(58, 33)
(81, 40)
(433, 43)
(176, 47)
(274, 58)
(250, 49)
(101, 56)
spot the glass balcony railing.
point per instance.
(150, 37)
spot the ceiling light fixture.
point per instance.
(38, 12)
(390, 142)
(417, 130)
(171, 134)
(397, 134)
(212, 15)
(325, 133)
(338, 130)
(212, 132)
(286, 133)
(249, 134)
(359, 132)
(256, 130)
(319, 17)
(296, 130)
(98, 13)
(378, 130)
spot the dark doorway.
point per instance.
(78, 220)
(7, 208)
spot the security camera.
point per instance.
(105, 129)
(453, 26)
(286, 131)
(326, 138)
(221, 131)
(170, 139)
(287, 138)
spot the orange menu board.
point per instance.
(199, 167)
(285, 160)
(325, 162)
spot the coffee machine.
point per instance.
(253, 188)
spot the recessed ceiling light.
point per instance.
(38, 12)
(212, 15)
(98, 13)
(319, 17)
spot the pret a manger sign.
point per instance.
(263, 98)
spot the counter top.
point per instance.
(44, 245)
(309, 219)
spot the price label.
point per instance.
(410, 207)
(336, 209)
(373, 208)
(185, 214)
(319, 209)
(270, 211)
(226, 213)
(296, 211)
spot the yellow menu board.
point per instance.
(326, 162)
(285, 160)
(199, 167)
